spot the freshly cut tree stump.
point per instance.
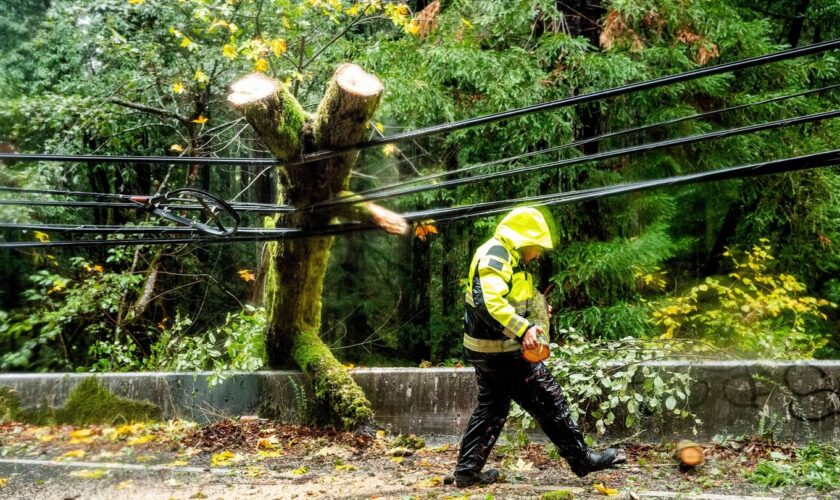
(295, 277)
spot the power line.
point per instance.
(135, 199)
(816, 160)
(452, 126)
(718, 134)
(269, 208)
(584, 141)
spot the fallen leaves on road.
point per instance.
(600, 488)
(73, 454)
(431, 482)
(222, 459)
(89, 473)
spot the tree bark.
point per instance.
(295, 278)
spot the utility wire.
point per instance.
(653, 146)
(584, 141)
(816, 160)
(273, 208)
(452, 126)
(331, 204)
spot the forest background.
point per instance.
(745, 267)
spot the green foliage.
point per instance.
(61, 63)
(66, 311)
(751, 310)
(815, 465)
(618, 389)
(237, 344)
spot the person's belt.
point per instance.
(491, 346)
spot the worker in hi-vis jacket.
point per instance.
(496, 331)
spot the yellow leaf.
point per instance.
(178, 463)
(80, 441)
(261, 65)
(261, 455)
(186, 42)
(247, 275)
(431, 482)
(136, 2)
(46, 438)
(42, 237)
(89, 474)
(233, 28)
(176, 148)
(201, 77)
(201, 120)
(379, 127)
(140, 440)
(389, 149)
(600, 488)
(73, 454)
(278, 46)
(81, 433)
(397, 460)
(3, 481)
(300, 471)
(216, 23)
(124, 485)
(268, 443)
(178, 88)
(223, 458)
(229, 51)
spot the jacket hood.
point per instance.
(523, 227)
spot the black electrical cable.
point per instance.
(653, 146)
(452, 126)
(816, 160)
(121, 229)
(585, 141)
(267, 208)
(273, 208)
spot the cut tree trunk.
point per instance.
(295, 277)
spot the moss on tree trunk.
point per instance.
(295, 278)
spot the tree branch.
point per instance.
(149, 109)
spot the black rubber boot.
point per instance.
(599, 461)
(489, 476)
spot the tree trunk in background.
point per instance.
(452, 269)
(798, 22)
(415, 309)
(295, 278)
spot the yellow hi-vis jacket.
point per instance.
(497, 300)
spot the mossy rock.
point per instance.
(91, 402)
(9, 406)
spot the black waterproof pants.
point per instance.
(505, 377)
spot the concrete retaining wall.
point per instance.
(802, 399)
